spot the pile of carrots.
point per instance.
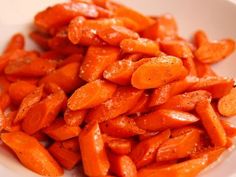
(117, 91)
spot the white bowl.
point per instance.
(216, 17)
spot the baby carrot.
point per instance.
(17, 42)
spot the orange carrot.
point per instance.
(9, 125)
(200, 38)
(141, 105)
(211, 123)
(17, 42)
(74, 118)
(120, 146)
(75, 29)
(71, 59)
(92, 147)
(185, 129)
(28, 150)
(5, 100)
(91, 94)
(190, 64)
(163, 119)
(230, 129)
(204, 70)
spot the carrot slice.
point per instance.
(144, 153)
(185, 129)
(17, 42)
(122, 127)
(91, 95)
(123, 100)
(71, 59)
(75, 29)
(204, 70)
(92, 147)
(96, 61)
(158, 72)
(141, 105)
(226, 104)
(68, 159)
(211, 123)
(190, 64)
(28, 150)
(120, 146)
(74, 118)
(230, 129)
(9, 125)
(164, 119)
(200, 38)
(178, 147)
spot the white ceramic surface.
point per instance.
(216, 17)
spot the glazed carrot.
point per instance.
(19, 90)
(144, 153)
(211, 123)
(163, 119)
(120, 146)
(28, 150)
(186, 101)
(68, 159)
(28, 101)
(91, 95)
(122, 165)
(74, 118)
(213, 52)
(200, 38)
(66, 77)
(59, 131)
(226, 104)
(230, 129)
(75, 29)
(141, 105)
(71, 59)
(176, 48)
(153, 73)
(160, 95)
(92, 147)
(115, 34)
(5, 100)
(122, 127)
(140, 45)
(190, 64)
(188, 168)
(9, 125)
(185, 129)
(17, 42)
(96, 61)
(178, 147)
(71, 144)
(217, 86)
(165, 27)
(43, 113)
(204, 70)
(123, 100)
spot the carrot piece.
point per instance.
(68, 159)
(230, 129)
(122, 127)
(186, 101)
(164, 119)
(185, 129)
(144, 153)
(115, 34)
(74, 118)
(32, 154)
(153, 74)
(160, 95)
(96, 61)
(120, 146)
(140, 45)
(122, 165)
(123, 100)
(211, 123)
(71, 59)
(66, 77)
(200, 38)
(59, 131)
(43, 113)
(5, 100)
(141, 105)
(176, 48)
(19, 89)
(28, 102)
(213, 52)
(188, 168)
(46, 19)
(75, 29)
(178, 147)
(71, 144)
(226, 104)
(17, 42)
(164, 28)
(91, 95)
(92, 147)
(217, 86)
(204, 70)
(9, 125)
(189, 63)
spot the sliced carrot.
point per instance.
(28, 150)
(9, 125)
(204, 70)
(92, 147)
(226, 104)
(17, 42)
(158, 72)
(186, 101)
(71, 59)
(141, 105)
(19, 89)
(123, 100)
(230, 129)
(66, 77)
(178, 147)
(96, 61)
(75, 29)
(134, 56)
(217, 86)
(144, 153)
(74, 118)
(122, 127)
(200, 38)
(68, 159)
(160, 95)
(163, 119)
(211, 123)
(91, 94)
(28, 101)
(190, 64)
(120, 146)
(185, 129)
(71, 144)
